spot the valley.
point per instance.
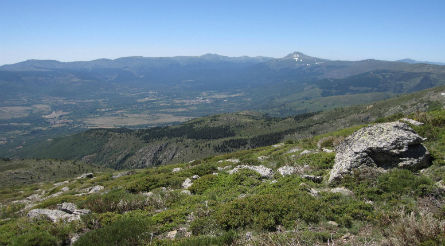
(42, 100)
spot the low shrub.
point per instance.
(124, 231)
(114, 201)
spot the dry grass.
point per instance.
(415, 229)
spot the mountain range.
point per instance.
(44, 99)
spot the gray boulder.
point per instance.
(53, 215)
(385, 145)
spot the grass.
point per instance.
(398, 207)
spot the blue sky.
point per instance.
(348, 30)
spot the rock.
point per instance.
(176, 169)
(186, 192)
(229, 160)
(315, 179)
(305, 152)
(287, 170)
(249, 236)
(332, 223)
(223, 168)
(214, 173)
(55, 194)
(313, 192)
(95, 189)
(327, 150)
(412, 122)
(61, 183)
(280, 228)
(233, 160)
(293, 150)
(172, 234)
(262, 158)
(67, 207)
(74, 238)
(384, 145)
(53, 215)
(342, 190)
(34, 198)
(278, 145)
(440, 184)
(86, 175)
(121, 174)
(71, 208)
(147, 194)
(65, 189)
(262, 170)
(187, 183)
(195, 177)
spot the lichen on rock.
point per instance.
(385, 145)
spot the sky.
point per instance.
(335, 29)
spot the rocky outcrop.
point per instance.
(385, 145)
(261, 170)
(287, 170)
(66, 211)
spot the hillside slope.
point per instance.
(51, 98)
(274, 195)
(207, 136)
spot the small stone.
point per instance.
(187, 183)
(262, 158)
(74, 238)
(293, 150)
(172, 234)
(223, 168)
(195, 177)
(86, 175)
(147, 194)
(248, 236)
(278, 145)
(333, 223)
(327, 150)
(412, 122)
(262, 170)
(342, 190)
(287, 170)
(315, 179)
(186, 192)
(306, 152)
(95, 189)
(65, 189)
(61, 183)
(176, 169)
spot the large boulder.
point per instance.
(385, 145)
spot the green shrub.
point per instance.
(265, 212)
(154, 181)
(11, 210)
(202, 184)
(125, 231)
(23, 231)
(319, 161)
(35, 238)
(114, 201)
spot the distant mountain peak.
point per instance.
(301, 58)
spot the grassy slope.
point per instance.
(29, 171)
(399, 207)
